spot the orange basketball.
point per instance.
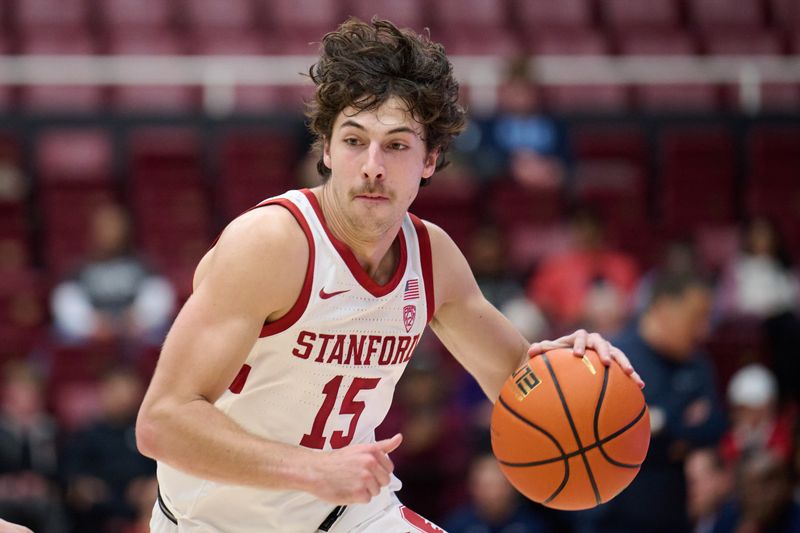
(569, 432)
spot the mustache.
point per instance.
(375, 188)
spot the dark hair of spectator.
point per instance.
(671, 285)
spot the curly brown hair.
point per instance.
(362, 65)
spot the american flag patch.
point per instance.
(412, 289)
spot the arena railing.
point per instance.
(218, 76)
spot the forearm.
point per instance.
(486, 344)
(197, 438)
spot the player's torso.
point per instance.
(323, 376)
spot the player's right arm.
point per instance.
(250, 276)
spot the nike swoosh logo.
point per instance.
(325, 295)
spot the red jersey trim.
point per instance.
(299, 307)
(426, 258)
(352, 263)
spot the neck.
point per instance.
(372, 249)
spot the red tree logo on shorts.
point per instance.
(419, 522)
(409, 314)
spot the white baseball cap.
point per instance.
(752, 386)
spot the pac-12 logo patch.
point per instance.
(409, 315)
(525, 381)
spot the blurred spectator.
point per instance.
(488, 257)
(589, 285)
(519, 141)
(433, 457)
(709, 487)
(756, 423)
(761, 283)
(677, 257)
(764, 498)
(495, 507)
(114, 294)
(684, 412)
(760, 280)
(28, 455)
(102, 464)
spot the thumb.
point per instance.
(390, 445)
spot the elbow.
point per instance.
(147, 434)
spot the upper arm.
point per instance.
(249, 277)
(470, 327)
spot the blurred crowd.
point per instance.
(716, 341)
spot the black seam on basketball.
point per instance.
(574, 429)
(547, 434)
(623, 430)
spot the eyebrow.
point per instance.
(400, 129)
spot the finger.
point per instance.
(390, 445)
(579, 342)
(381, 474)
(637, 379)
(601, 346)
(622, 360)
(373, 487)
(384, 461)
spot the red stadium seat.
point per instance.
(773, 97)
(74, 155)
(205, 15)
(58, 98)
(721, 13)
(51, 14)
(139, 14)
(786, 14)
(616, 190)
(493, 41)
(656, 42)
(534, 15)
(511, 204)
(6, 91)
(450, 201)
(625, 144)
(740, 42)
(152, 98)
(254, 164)
(638, 15)
(404, 13)
(75, 176)
(566, 42)
(697, 176)
(470, 15)
(677, 97)
(286, 16)
(591, 98)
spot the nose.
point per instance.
(373, 164)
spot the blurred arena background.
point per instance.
(644, 135)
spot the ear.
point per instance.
(430, 163)
(326, 153)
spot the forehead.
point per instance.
(390, 116)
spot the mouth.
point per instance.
(370, 197)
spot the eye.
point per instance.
(398, 146)
(351, 141)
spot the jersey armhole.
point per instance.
(299, 307)
(427, 263)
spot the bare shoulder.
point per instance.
(258, 252)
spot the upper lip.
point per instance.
(371, 195)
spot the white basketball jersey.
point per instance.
(323, 376)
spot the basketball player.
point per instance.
(281, 364)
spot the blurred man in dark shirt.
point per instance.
(663, 345)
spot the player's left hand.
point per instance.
(579, 341)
